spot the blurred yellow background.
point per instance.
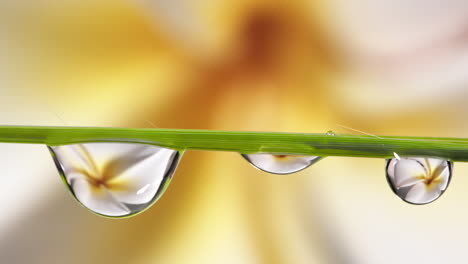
(380, 66)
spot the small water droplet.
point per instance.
(280, 164)
(115, 179)
(418, 180)
(330, 133)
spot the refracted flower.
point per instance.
(418, 180)
(280, 164)
(115, 179)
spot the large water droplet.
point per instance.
(115, 179)
(280, 164)
(330, 133)
(418, 180)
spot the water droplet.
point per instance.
(330, 133)
(418, 180)
(280, 164)
(115, 179)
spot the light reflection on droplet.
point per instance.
(418, 180)
(280, 164)
(330, 133)
(143, 190)
(115, 179)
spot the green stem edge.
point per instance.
(455, 149)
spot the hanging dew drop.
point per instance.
(280, 164)
(418, 180)
(330, 133)
(115, 179)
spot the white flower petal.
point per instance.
(441, 175)
(143, 180)
(418, 180)
(97, 200)
(444, 177)
(421, 194)
(408, 172)
(280, 164)
(434, 163)
(115, 179)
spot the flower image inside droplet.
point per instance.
(115, 179)
(280, 164)
(419, 180)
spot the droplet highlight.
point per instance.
(115, 179)
(280, 164)
(330, 133)
(418, 180)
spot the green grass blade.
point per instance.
(455, 149)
